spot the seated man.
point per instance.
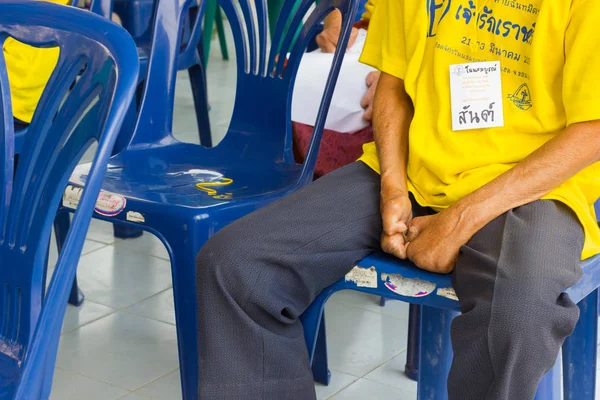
(484, 163)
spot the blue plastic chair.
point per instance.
(68, 120)
(579, 351)
(139, 13)
(183, 193)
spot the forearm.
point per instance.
(392, 115)
(535, 176)
(333, 20)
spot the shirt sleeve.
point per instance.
(581, 78)
(369, 7)
(385, 47)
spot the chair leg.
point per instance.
(382, 301)
(313, 322)
(210, 12)
(198, 82)
(436, 353)
(62, 222)
(580, 351)
(221, 32)
(123, 231)
(183, 266)
(549, 388)
(412, 349)
(320, 366)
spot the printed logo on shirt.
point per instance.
(436, 11)
(521, 97)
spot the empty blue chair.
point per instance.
(139, 13)
(85, 101)
(183, 193)
(439, 306)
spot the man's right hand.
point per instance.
(328, 39)
(396, 213)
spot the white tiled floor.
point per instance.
(121, 344)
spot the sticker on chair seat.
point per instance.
(71, 196)
(448, 293)
(363, 277)
(108, 204)
(409, 287)
(134, 216)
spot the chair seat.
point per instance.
(402, 279)
(169, 176)
(10, 368)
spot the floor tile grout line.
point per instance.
(365, 376)
(151, 382)
(120, 309)
(149, 318)
(114, 311)
(343, 388)
(94, 379)
(145, 253)
(94, 250)
(96, 240)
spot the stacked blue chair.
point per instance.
(440, 305)
(183, 193)
(85, 102)
(138, 16)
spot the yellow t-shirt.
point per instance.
(29, 69)
(550, 60)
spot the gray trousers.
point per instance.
(257, 276)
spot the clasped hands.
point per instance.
(431, 242)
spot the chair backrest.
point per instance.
(167, 50)
(84, 102)
(100, 7)
(261, 124)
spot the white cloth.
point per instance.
(345, 113)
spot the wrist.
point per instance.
(394, 181)
(333, 20)
(470, 217)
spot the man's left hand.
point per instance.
(368, 98)
(435, 241)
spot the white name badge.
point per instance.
(476, 95)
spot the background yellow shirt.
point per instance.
(29, 69)
(550, 60)
(369, 7)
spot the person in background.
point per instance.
(339, 148)
(486, 165)
(327, 41)
(29, 69)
